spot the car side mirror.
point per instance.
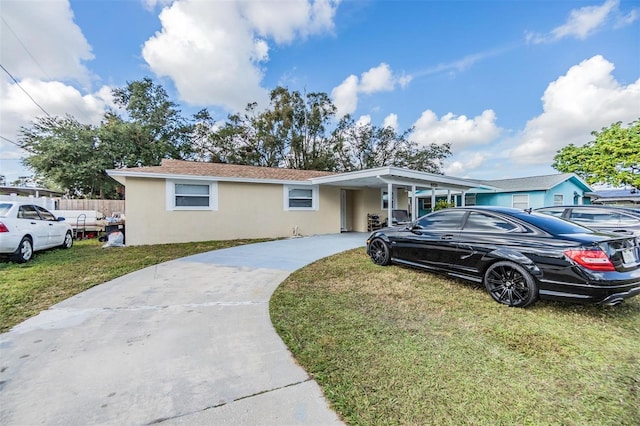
(60, 219)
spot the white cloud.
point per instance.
(391, 120)
(33, 34)
(585, 99)
(284, 21)
(41, 44)
(462, 166)
(585, 21)
(345, 96)
(460, 131)
(214, 51)
(376, 79)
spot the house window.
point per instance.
(192, 195)
(300, 197)
(558, 199)
(385, 199)
(520, 201)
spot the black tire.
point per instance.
(68, 241)
(511, 284)
(379, 252)
(24, 253)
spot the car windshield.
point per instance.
(4, 209)
(552, 224)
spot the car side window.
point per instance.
(28, 212)
(629, 220)
(487, 223)
(446, 219)
(46, 214)
(589, 217)
(552, 212)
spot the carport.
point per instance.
(393, 178)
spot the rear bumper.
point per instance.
(585, 293)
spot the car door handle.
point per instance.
(33, 223)
(447, 237)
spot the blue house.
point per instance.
(520, 193)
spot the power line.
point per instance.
(10, 141)
(22, 88)
(24, 47)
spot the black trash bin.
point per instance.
(113, 227)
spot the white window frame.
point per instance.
(516, 204)
(314, 197)
(560, 202)
(170, 188)
(394, 199)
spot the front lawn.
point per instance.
(391, 345)
(55, 275)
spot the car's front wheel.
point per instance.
(68, 241)
(510, 284)
(379, 252)
(24, 252)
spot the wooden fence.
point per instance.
(107, 207)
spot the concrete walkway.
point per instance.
(184, 342)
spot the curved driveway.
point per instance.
(188, 341)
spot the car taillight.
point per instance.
(595, 260)
(3, 227)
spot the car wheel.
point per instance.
(68, 241)
(510, 284)
(24, 252)
(379, 252)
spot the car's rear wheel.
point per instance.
(379, 252)
(24, 252)
(510, 284)
(68, 241)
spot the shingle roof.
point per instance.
(533, 183)
(195, 168)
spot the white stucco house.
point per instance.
(184, 201)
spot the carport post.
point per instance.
(390, 201)
(414, 202)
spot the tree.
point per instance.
(293, 132)
(364, 146)
(613, 157)
(68, 153)
(290, 133)
(75, 156)
(155, 128)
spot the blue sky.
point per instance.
(507, 83)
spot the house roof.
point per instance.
(185, 169)
(373, 178)
(609, 195)
(535, 183)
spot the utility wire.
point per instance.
(22, 88)
(25, 47)
(10, 141)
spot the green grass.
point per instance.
(391, 345)
(54, 275)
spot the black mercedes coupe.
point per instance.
(518, 255)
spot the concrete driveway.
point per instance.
(184, 342)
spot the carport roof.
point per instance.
(382, 176)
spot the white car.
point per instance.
(26, 228)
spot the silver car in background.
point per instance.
(599, 217)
